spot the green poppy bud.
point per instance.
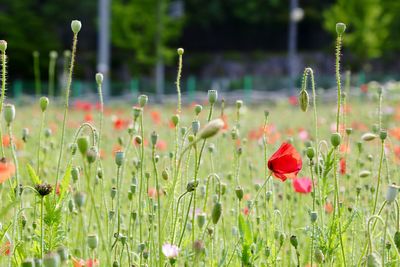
(180, 51)
(44, 102)
(239, 192)
(76, 26)
(136, 112)
(154, 138)
(216, 212)
(211, 129)
(201, 220)
(364, 173)
(191, 186)
(304, 100)
(368, 137)
(335, 139)
(138, 139)
(9, 113)
(383, 135)
(142, 100)
(294, 241)
(212, 96)
(75, 174)
(99, 78)
(83, 144)
(119, 158)
(175, 119)
(349, 131)
(92, 154)
(198, 109)
(396, 240)
(92, 241)
(3, 46)
(165, 174)
(310, 152)
(340, 28)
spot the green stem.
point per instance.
(160, 255)
(379, 176)
(337, 68)
(3, 95)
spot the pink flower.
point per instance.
(302, 185)
(170, 251)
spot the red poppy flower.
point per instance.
(88, 117)
(7, 169)
(5, 249)
(293, 100)
(285, 162)
(342, 166)
(302, 185)
(156, 117)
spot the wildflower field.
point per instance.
(298, 182)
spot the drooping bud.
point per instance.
(92, 154)
(83, 144)
(191, 186)
(304, 100)
(211, 129)
(216, 212)
(368, 137)
(44, 102)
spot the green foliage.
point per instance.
(368, 23)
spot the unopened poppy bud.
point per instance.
(195, 127)
(92, 154)
(3, 46)
(175, 119)
(165, 174)
(201, 220)
(221, 188)
(25, 134)
(99, 78)
(212, 96)
(154, 138)
(304, 100)
(359, 146)
(142, 100)
(198, 109)
(113, 192)
(349, 131)
(119, 158)
(310, 152)
(336, 139)
(51, 260)
(383, 135)
(28, 263)
(9, 113)
(294, 241)
(319, 256)
(396, 240)
(76, 26)
(79, 199)
(191, 138)
(136, 112)
(44, 102)
(313, 216)
(340, 28)
(75, 174)
(282, 238)
(239, 192)
(212, 128)
(100, 173)
(83, 144)
(364, 173)
(191, 186)
(391, 193)
(180, 51)
(115, 263)
(368, 137)
(92, 241)
(138, 139)
(111, 214)
(216, 212)
(239, 104)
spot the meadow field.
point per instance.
(303, 181)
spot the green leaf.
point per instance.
(65, 182)
(245, 230)
(32, 174)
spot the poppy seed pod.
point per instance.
(3, 46)
(336, 139)
(310, 152)
(313, 216)
(119, 158)
(75, 174)
(383, 135)
(191, 138)
(142, 100)
(136, 112)
(304, 100)
(175, 119)
(294, 241)
(216, 212)
(9, 113)
(212, 128)
(83, 144)
(44, 102)
(349, 131)
(92, 241)
(180, 51)
(92, 154)
(239, 192)
(99, 78)
(391, 193)
(51, 260)
(239, 104)
(165, 174)
(79, 199)
(212, 96)
(368, 137)
(76, 26)
(154, 138)
(198, 109)
(195, 127)
(63, 253)
(340, 28)
(201, 220)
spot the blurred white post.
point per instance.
(103, 52)
(295, 15)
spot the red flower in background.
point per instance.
(5, 249)
(293, 100)
(302, 185)
(285, 162)
(7, 169)
(342, 166)
(88, 117)
(156, 117)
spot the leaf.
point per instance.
(245, 230)
(65, 182)
(32, 174)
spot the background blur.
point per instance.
(231, 45)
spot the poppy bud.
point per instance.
(335, 139)
(51, 260)
(340, 28)
(92, 241)
(396, 240)
(100, 173)
(175, 119)
(359, 146)
(373, 260)
(349, 131)
(83, 144)
(76, 26)
(313, 216)
(195, 127)
(222, 187)
(191, 138)
(92, 154)
(25, 134)
(119, 158)
(198, 109)
(3, 46)
(310, 152)
(165, 174)
(9, 113)
(99, 78)
(136, 112)
(111, 214)
(303, 100)
(153, 138)
(364, 173)
(391, 193)
(142, 100)
(212, 96)
(180, 51)
(191, 186)
(212, 128)
(28, 263)
(216, 212)
(294, 241)
(113, 192)
(44, 102)
(319, 256)
(79, 199)
(383, 135)
(201, 220)
(239, 104)
(239, 192)
(138, 139)
(115, 263)
(63, 253)
(75, 174)
(234, 133)
(368, 137)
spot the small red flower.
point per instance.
(342, 166)
(5, 249)
(285, 162)
(7, 169)
(293, 100)
(302, 185)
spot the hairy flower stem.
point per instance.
(40, 142)
(141, 183)
(379, 176)
(337, 68)
(66, 105)
(52, 67)
(41, 226)
(178, 84)
(160, 255)
(3, 95)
